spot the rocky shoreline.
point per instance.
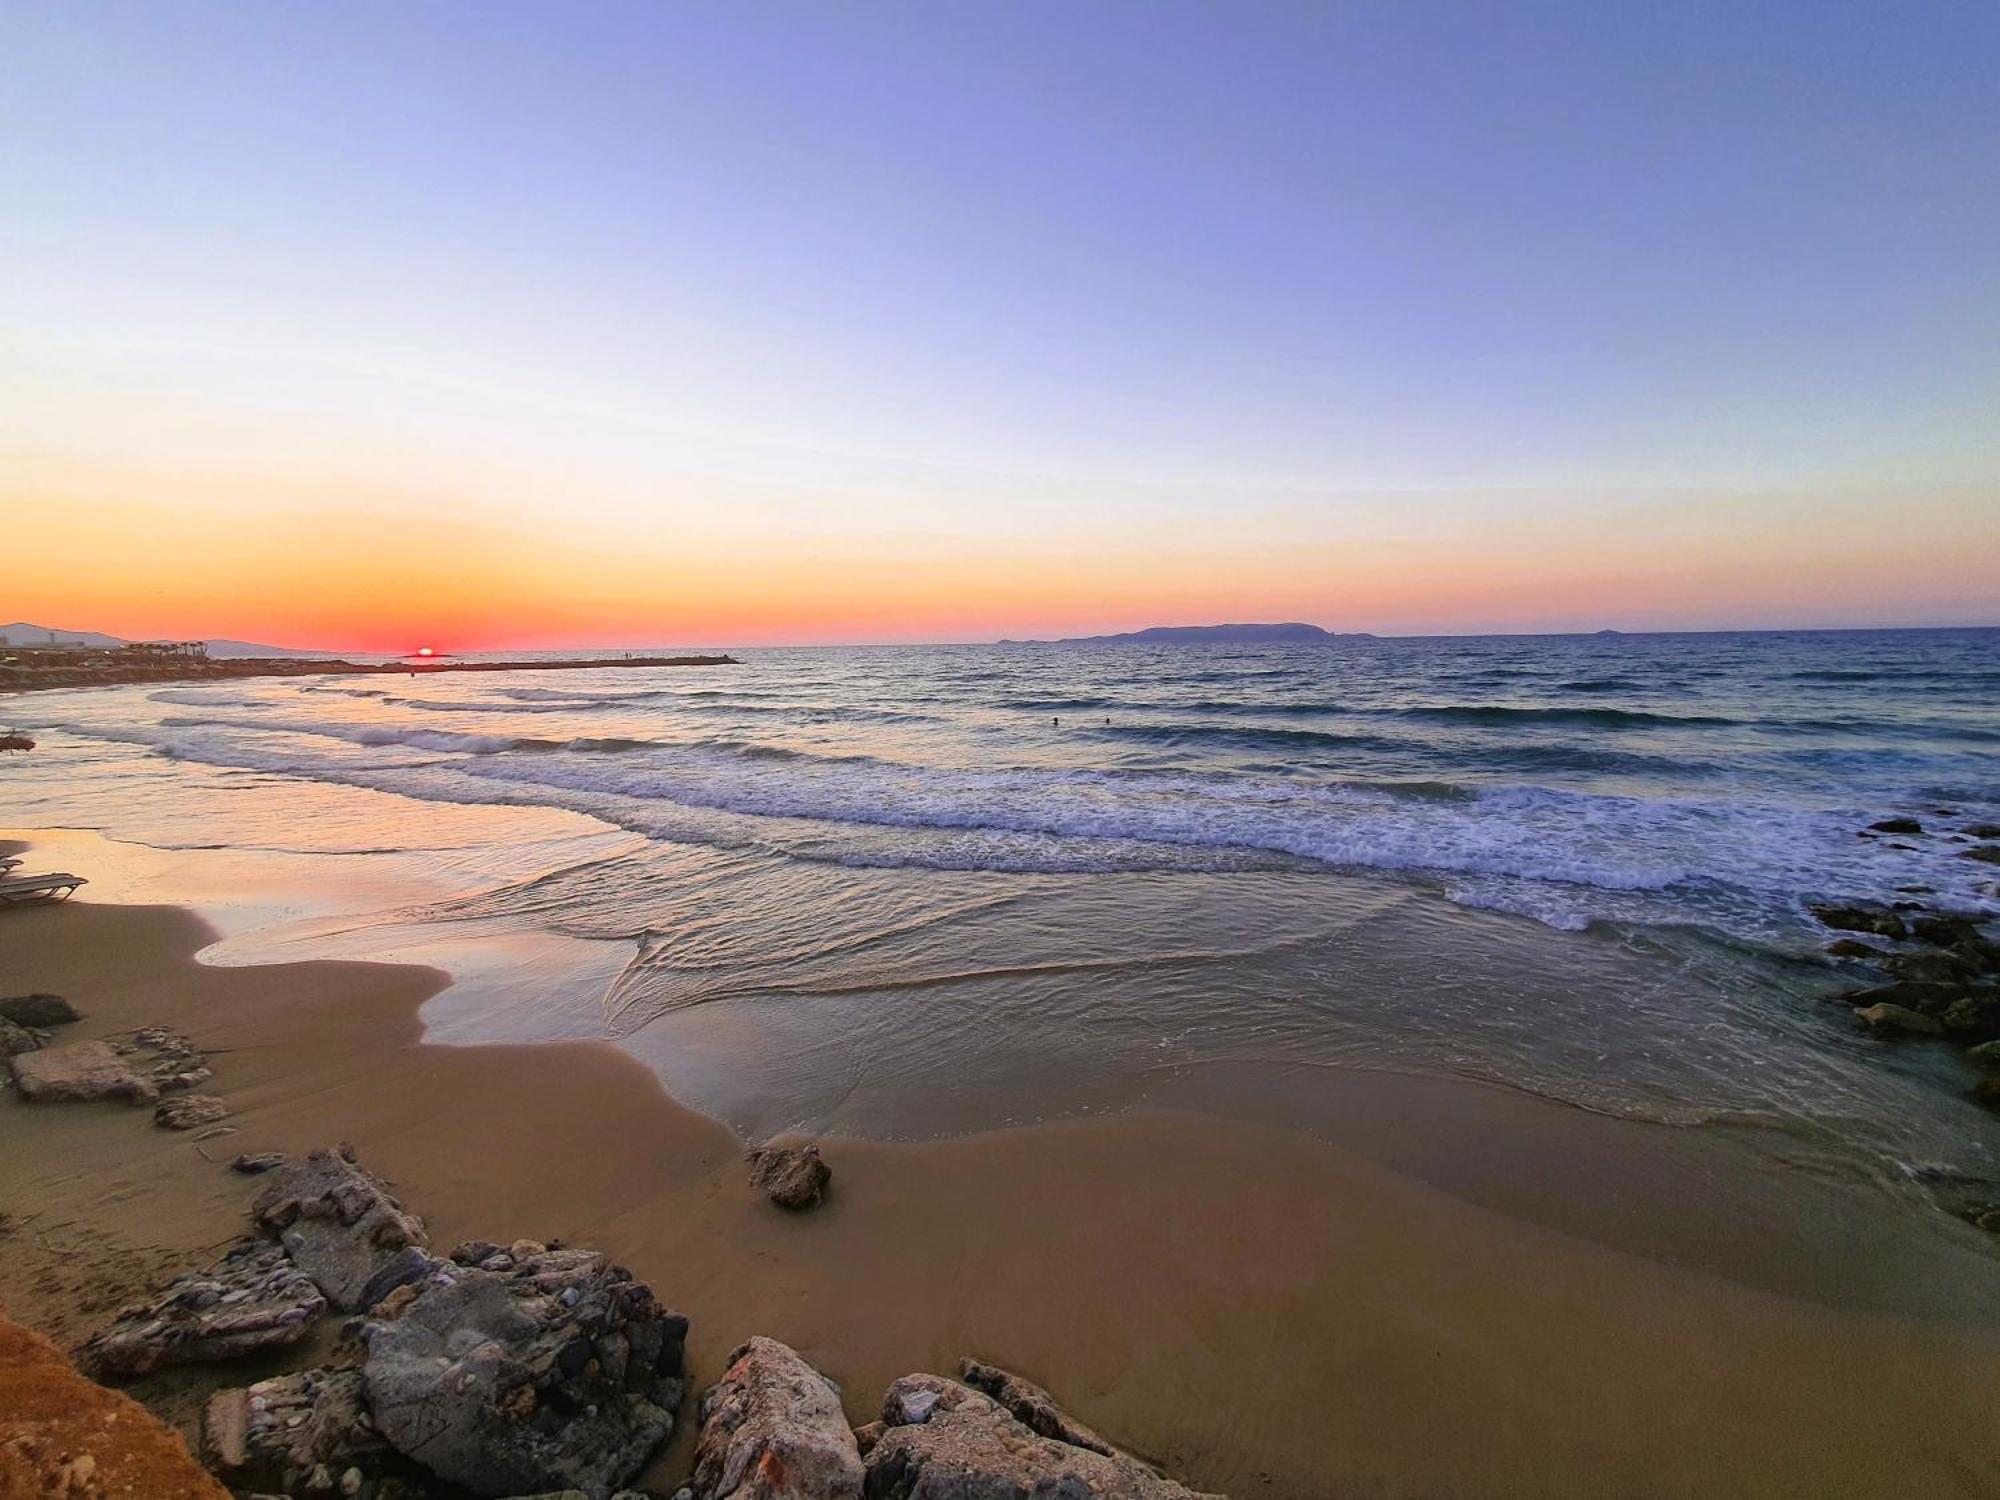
(541, 1370)
(33, 671)
(524, 1369)
(1928, 974)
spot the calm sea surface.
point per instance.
(907, 890)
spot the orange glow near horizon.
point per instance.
(359, 581)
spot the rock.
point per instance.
(1895, 1018)
(1986, 1054)
(281, 1434)
(1873, 919)
(867, 1435)
(1031, 1406)
(1929, 998)
(1934, 966)
(1987, 1091)
(1897, 825)
(1984, 853)
(190, 1111)
(1982, 830)
(790, 1176)
(38, 1010)
(1975, 1017)
(254, 1298)
(251, 1163)
(14, 1040)
(966, 1446)
(1945, 932)
(79, 1071)
(1853, 948)
(338, 1221)
(563, 1372)
(772, 1429)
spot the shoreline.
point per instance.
(1258, 1310)
(109, 672)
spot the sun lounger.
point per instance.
(24, 890)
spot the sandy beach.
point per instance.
(1261, 1312)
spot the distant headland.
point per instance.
(1289, 633)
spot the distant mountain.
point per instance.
(1289, 634)
(21, 633)
(251, 648)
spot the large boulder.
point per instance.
(338, 1222)
(561, 1372)
(772, 1429)
(945, 1441)
(252, 1299)
(38, 1010)
(790, 1176)
(79, 1071)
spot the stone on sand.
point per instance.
(38, 1010)
(339, 1223)
(14, 1040)
(189, 1112)
(80, 1071)
(772, 1429)
(252, 1299)
(790, 1176)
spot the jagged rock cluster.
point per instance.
(138, 1070)
(538, 1371)
(772, 1429)
(500, 1371)
(1929, 974)
(252, 1299)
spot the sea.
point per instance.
(911, 891)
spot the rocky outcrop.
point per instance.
(80, 1071)
(560, 1372)
(252, 1299)
(38, 1010)
(1031, 1406)
(790, 1176)
(942, 1440)
(338, 1222)
(772, 1429)
(297, 1434)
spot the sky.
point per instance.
(530, 325)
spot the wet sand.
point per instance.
(1261, 1311)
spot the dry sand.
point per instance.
(1259, 1310)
